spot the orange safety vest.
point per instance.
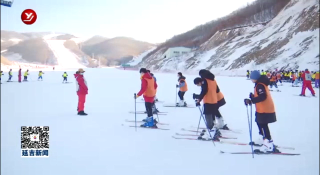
(151, 91)
(317, 76)
(211, 96)
(185, 87)
(278, 76)
(273, 78)
(294, 77)
(266, 106)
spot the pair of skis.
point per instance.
(143, 112)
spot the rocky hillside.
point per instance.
(290, 40)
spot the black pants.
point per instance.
(181, 94)
(64, 78)
(149, 108)
(218, 114)
(25, 78)
(264, 130)
(210, 112)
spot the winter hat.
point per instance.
(81, 70)
(255, 75)
(143, 70)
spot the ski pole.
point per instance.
(250, 129)
(206, 125)
(199, 123)
(135, 111)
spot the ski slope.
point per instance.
(98, 144)
(64, 56)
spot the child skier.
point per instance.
(183, 89)
(10, 75)
(306, 77)
(279, 77)
(65, 76)
(25, 76)
(273, 82)
(221, 101)
(209, 90)
(248, 74)
(1, 75)
(40, 75)
(148, 90)
(154, 108)
(316, 82)
(265, 111)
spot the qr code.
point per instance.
(35, 140)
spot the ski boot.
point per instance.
(149, 123)
(82, 113)
(258, 141)
(302, 95)
(155, 120)
(267, 147)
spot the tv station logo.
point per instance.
(29, 16)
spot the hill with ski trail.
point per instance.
(289, 41)
(102, 142)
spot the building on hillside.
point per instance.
(176, 51)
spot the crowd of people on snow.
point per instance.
(291, 76)
(294, 77)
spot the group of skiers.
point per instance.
(294, 77)
(213, 99)
(26, 73)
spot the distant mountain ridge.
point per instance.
(32, 47)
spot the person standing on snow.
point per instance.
(306, 77)
(209, 90)
(10, 75)
(65, 76)
(221, 101)
(183, 89)
(265, 111)
(148, 90)
(82, 90)
(19, 75)
(25, 75)
(40, 75)
(154, 108)
(316, 82)
(1, 75)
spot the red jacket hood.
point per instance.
(147, 76)
(306, 72)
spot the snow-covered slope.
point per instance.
(136, 60)
(97, 144)
(63, 55)
(290, 40)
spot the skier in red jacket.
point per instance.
(306, 76)
(82, 91)
(148, 90)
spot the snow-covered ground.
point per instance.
(64, 56)
(99, 144)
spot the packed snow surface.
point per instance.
(102, 143)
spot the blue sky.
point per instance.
(148, 20)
